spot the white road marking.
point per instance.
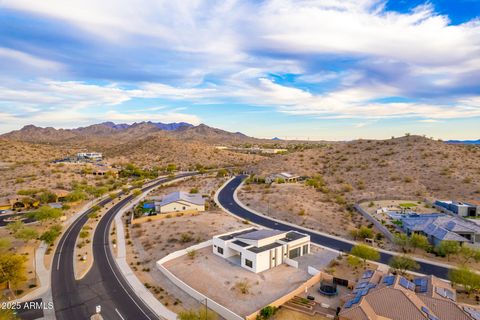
(119, 314)
(64, 239)
(105, 238)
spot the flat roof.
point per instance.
(260, 234)
(264, 248)
(240, 243)
(235, 234)
(293, 235)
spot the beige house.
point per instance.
(384, 296)
(180, 201)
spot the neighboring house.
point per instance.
(180, 201)
(260, 250)
(462, 209)
(94, 156)
(438, 227)
(5, 204)
(284, 176)
(384, 296)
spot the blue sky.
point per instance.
(329, 69)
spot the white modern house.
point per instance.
(284, 176)
(95, 156)
(258, 250)
(462, 209)
(180, 201)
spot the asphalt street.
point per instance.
(226, 199)
(103, 285)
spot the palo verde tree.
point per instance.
(365, 253)
(402, 264)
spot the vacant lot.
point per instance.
(150, 241)
(301, 205)
(232, 286)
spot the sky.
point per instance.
(316, 69)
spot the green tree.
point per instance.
(365, 232)
(8, 314)
(401, 264)
(51, 234)
(5, 245)
(12, 269)
(15, 226)
(222, 173)
(267, 312)
(465, 277)
(468, 254)
(76, 195)
(418, 241)
(84, 234)
(448, 248)
(45, 213)
(200, 314)
(401, 240)
(365, 253)
(194, 190)
(26, 234)
(171, 167)
(47, 197)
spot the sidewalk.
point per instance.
(143, 293)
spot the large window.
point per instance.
(297, 252)
(249, 263)
(305, 249)
(220, 250)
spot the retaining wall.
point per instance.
(221, 310)
(375, 222)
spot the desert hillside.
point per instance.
(407, 166)
(146, 144)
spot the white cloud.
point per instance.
(165, 117)
(16, 56)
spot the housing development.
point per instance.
(239, 160)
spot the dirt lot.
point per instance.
(222, 280)
(153, 240)
(296, 203)
(206, 185)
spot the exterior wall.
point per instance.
(375, 222)
(304, 286)
(227, 252)
(221, 310)
(179, 206)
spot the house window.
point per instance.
(305, 249)
(184, 207)
(249, 263)
(220, 250)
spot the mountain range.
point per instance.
(464, 141)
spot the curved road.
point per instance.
(227, 200)
(103, 285)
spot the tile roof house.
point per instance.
(285, 176)
(442, 227)
(384, 296)
(260, 250)
(180, 201)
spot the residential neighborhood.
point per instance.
(240, 160)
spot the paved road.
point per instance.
(4, 218)
(103, 285)
(226, 199)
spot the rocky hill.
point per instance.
(407, 166)
(145, 143)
